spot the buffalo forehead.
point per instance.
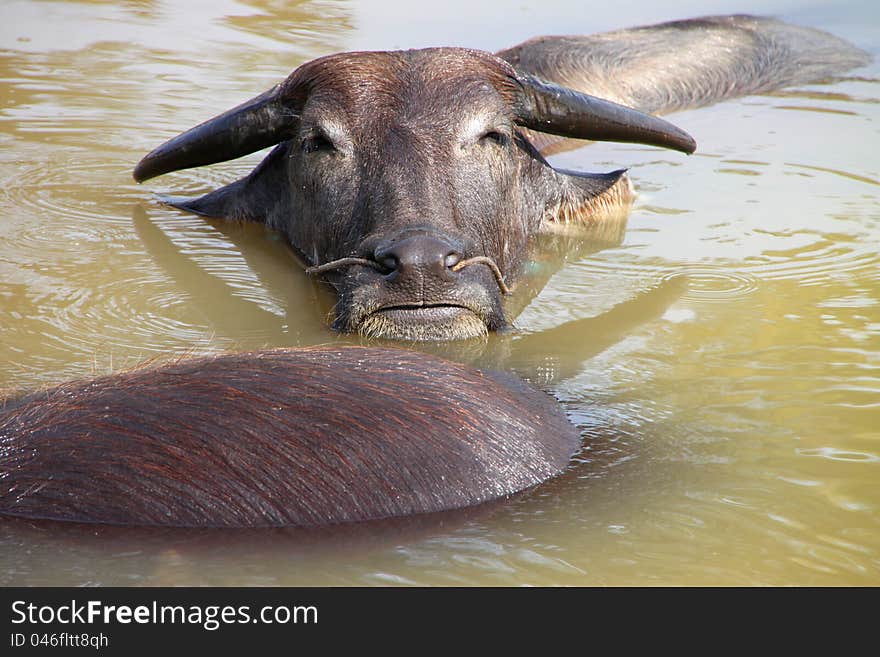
(442, 89)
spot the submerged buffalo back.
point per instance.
(287, 437)
(689, 63)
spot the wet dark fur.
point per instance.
(276, 438)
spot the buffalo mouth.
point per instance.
(423, 312)
(416, 304)
(423, 322)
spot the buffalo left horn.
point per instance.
(255, 124)
(560, 111)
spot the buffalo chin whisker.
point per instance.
(342, 262)
(484, 260)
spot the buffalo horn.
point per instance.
(556, 110)
(257, 123)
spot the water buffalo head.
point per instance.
(407, 179)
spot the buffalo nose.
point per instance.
(423, 252)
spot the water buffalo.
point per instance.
(414, 181)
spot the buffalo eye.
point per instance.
(317, 142)
(494, 137)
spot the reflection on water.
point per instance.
(721, 356)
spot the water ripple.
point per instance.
(824, 259)
(714, 283)
(835, 454)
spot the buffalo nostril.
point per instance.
(417, 252)
(452, 259)
(389, 262)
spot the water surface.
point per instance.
(722, 360)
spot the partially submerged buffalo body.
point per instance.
(414, 183)
(298, 437)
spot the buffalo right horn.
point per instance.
(560, 111)
(257, 123)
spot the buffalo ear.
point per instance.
(262, 196)
(597, 201)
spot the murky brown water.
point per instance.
(725, 371)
